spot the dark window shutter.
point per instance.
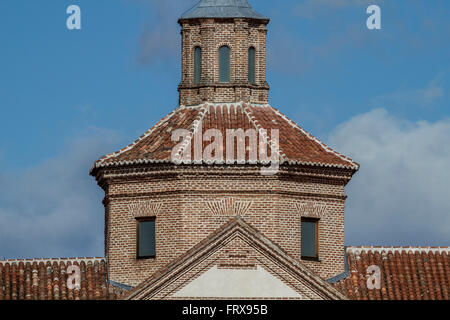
(146, 239)
(224, 64)
(251, 65)
(197, 65)
(309, 238)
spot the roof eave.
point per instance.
(263, 20)
(117, 164)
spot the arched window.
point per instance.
(224, 64)
(197, 65)
(251, 65)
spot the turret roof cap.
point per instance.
(222, 9)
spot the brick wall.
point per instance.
(210, 34)
(190, 203)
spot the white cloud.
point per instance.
(55, 209)
(400, 196)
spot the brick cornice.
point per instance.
(208, 193)
(187, 22)
(215, 85)
(151, 172)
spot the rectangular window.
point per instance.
(146, 238)
(310, 238)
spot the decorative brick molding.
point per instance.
(311, 209)
(229, 207)
(145, 209)
(225, 43)
(236, 256)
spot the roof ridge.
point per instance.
(262, 131)
(359, 249)
(193, 128)
(52, 259)
(354, 164)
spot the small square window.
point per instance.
(310, 239)
(146, 238)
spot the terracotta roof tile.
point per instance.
(407, 273)
(46, 279)
(296, 146)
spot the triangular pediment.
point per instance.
(237, 283)
(235, 262)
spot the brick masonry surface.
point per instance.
(190, 203)
(236, 245)
(210, 34)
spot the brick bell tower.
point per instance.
(158, 210)
(223, 53)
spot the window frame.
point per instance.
(221, 65)
(138, 221)
(316, 221)
(196, 65)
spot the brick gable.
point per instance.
(234, 246)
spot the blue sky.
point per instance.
(68, 97)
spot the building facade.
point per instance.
(224, 90)
(226, 197)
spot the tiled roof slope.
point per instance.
(46, 279)
(407, 273)
(296, 146)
